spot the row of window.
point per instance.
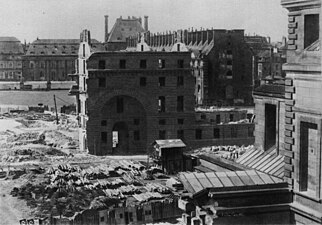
(218, 118)
(137, 121)
(9, 75)
(53, 64)
(142, 64)
(10, 64)
(162, 104)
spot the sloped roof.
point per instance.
(267, 162)
(273, 90)
(196, 182)
(10, 45)
(124, 28)
(59, 47)
(170, 143)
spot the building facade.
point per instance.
(303, 110)
(11, 52)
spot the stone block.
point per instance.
(288, 82)
(287, 160)
(292, 25)
(289, 127)
(290, 89)
(291, 19)
(289, 140)
(288, 133)
(290, 115)
(287, 174)
(288, 154)
(292, 36)
(292, 47)
(288, 120)
(290, 102)
(289, 167)
(291, 30)
(288, 108)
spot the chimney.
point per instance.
(146, 25)
(106, 28)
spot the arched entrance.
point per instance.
(120, 138)
(123, 126)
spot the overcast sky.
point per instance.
(29, 19)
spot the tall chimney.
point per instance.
(106, 28)
(146, 24)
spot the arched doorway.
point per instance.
(120, 138)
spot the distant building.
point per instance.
(123, 28)
(11, 52)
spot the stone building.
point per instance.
(221, 60)
(303, 110)
(123, 28)
(128, 99)
(11, 52)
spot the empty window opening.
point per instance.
(162, 121)
(218, 119)
(180, 134)
(180, 121)
(142, 48)
(216, 133)
(104, 123)
(161, 63)
(122, 64)
(231, 117)
(161, 81)
(311, 29)
(233, 132)
(101, 82)
(136, 135)
(136, 121)
(104, 137)
(161, 104)
(270, 126)
(250, 132)
(143, 64)
(178, 47)
(180, 63)
(180, 81)
(119, 105)
(203, 116)
(142, 81)
(308, 148)
(162, 134)
(198, 134)
(101, 64)
(180, 103)
(83, 50)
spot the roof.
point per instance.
(273, 90)
(196, 182)
(124, 28)
(58, 46)
(10, 45)
(267, 162)
(170, 143)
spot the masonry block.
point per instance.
(289, 167)
(288, 120)
(287, 174)
(288, 108)
(289, 155)
(289, 127)
(292, 36)
(291, 31)
(288, 147)
(290, 115)
(288, 133)
(290, 42)
(289, 140)
(290, 89)
(292, 47)
(287, 160)
(292, 25)
(291, 19)
(288, 82)
(290, 102)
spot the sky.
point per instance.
(55, 19)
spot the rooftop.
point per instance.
(10, 45)
(170, 143)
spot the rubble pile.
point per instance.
(226, 152)
(67, 190)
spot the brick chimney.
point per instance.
(106, 28)
(146, 24)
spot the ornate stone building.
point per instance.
(11, 52)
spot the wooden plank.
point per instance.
(248, 156)
(277, 179)
(269, 165)
(245, 178)
(277, 168)
(279, 173)
(203, 180)
(259, 161)
(264, 163)
(273, 166)
(194, 182)
(235, 179)
(224, 179)
(253, 175)
(265, 177)
(214, 179)
(186, 183)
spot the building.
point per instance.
(129, 99)
(51, 59)
(221, 60)
(303, 109)
(123, 28)
(11, 52)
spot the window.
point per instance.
(102, 218)
(161, 104)
(136, 135)
(161, 134)
(180, 121)
(142, 48)
(233, 132)
(104, 137)
(162, 121)
(121, 216)
(180, 63)
(180, 81)
(229, 73)
(178, 47)
(311, 29)
(161, 63)
(218, 119)
(198, 134)
(229, 52)
(250, 132)
(143, 63)
(101, 82)
(216, 133)
(122, 64)
(101, 64)
(161, 81)
(119, 105)
(231, 117)
(180, 104)
(142, 81)
(203, 116)
(180, 134)
(103, 123)
(136, 121)
(83, 50)
(229, 62)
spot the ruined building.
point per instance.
(128, 99)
